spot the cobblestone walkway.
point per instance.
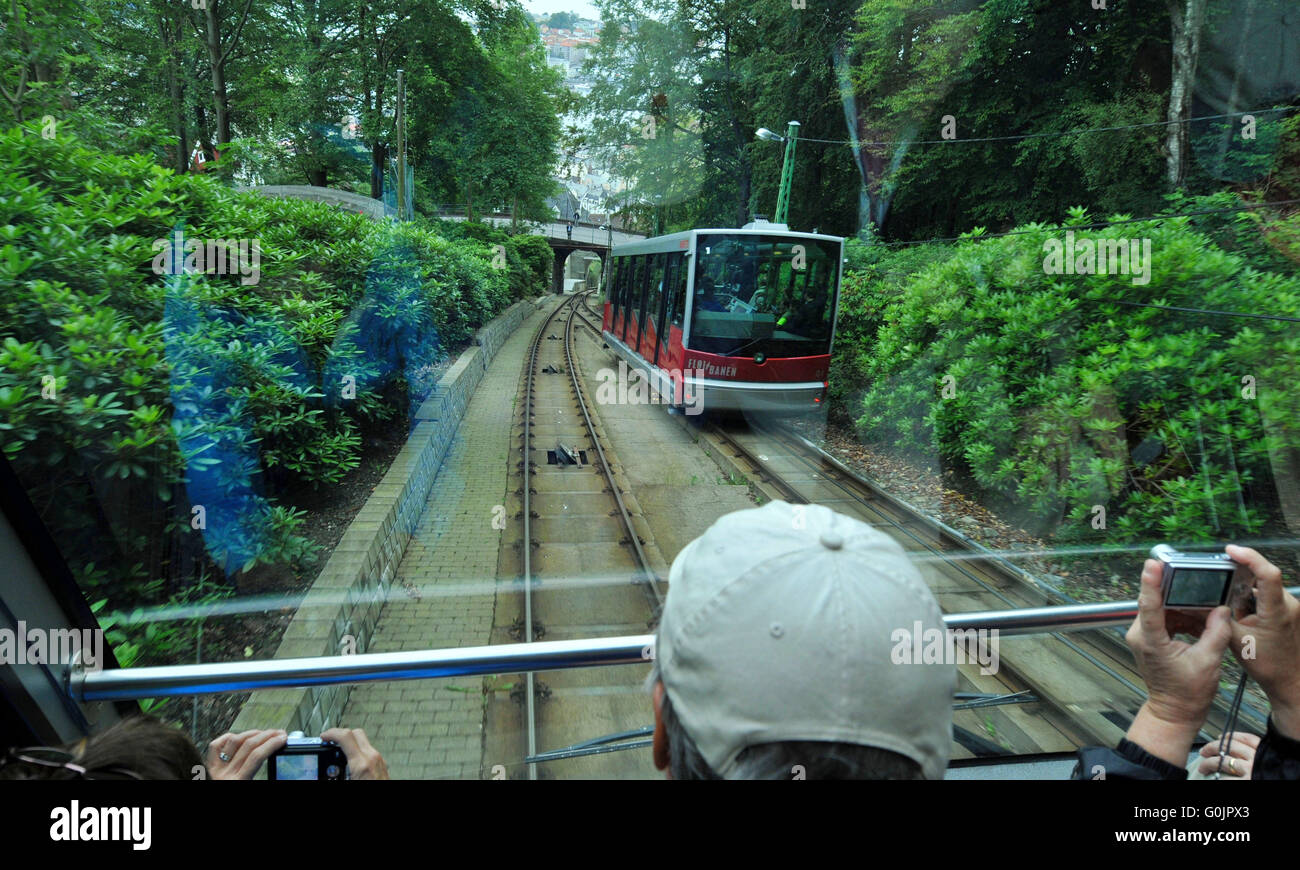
(443, 597)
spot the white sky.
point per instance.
(584, 8)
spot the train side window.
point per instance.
(618, 280)
(640, 292)
(626, 272)
(679, 291)
(634, 289)
(670, 298)
(611, 289)
(654, 297)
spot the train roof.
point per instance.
(672, 241)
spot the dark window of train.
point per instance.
(625, 270)
(654, 301)
(638, 301)
(679, 292)
(616, 282)
(669, 299)
(634, 300)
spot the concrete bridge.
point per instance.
(586, 236)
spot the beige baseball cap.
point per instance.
(779, 625)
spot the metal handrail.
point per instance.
(218, 677)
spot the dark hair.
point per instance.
(141, 744)
(811, 759)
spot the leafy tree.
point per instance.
(681, 88)
(38, 48)
(563, 20)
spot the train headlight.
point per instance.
(760, 358)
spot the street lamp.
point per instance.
(787, 167)
(609, 223)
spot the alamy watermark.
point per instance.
(181, 256)
(51, 646)
(630, 387)
(934, 646)
(1098, 257)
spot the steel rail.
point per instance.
(648, 576)
(528, 538)
(242, 676)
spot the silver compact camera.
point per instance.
(308, 758)
(1203, 581)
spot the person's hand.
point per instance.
(364, 761)
(238, 756)
(1239, 761)
(1267, 642)
(1182, 679)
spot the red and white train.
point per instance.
(728, 319)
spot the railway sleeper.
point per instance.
(541, 691)
(516, 630)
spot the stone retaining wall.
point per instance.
(340, 611)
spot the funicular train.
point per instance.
(728, 319)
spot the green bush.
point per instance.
(527, 258)
(536, 256)
(874, 277)
(482, 232)
(129, 399)
(1055, 397)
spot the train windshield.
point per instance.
(768, 295)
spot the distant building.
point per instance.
(564, 205)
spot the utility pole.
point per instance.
(609, 222)
(401, 146)
(787, 173)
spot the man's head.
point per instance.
(773, 656)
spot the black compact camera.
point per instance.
(307, 758)
(1203, 581)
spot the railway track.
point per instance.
(1085, 687)
(582, 565)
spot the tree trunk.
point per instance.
(217, 57)
(176, 91)
(1185, 17)
(217, 65)
(469, 201)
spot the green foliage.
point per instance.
(488, 125)
(874, 278)
(528, 258)
(536, 256)
(1054, 398)
(1263, 236)
(562, 20)
(129, 399)
(1090, 129)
